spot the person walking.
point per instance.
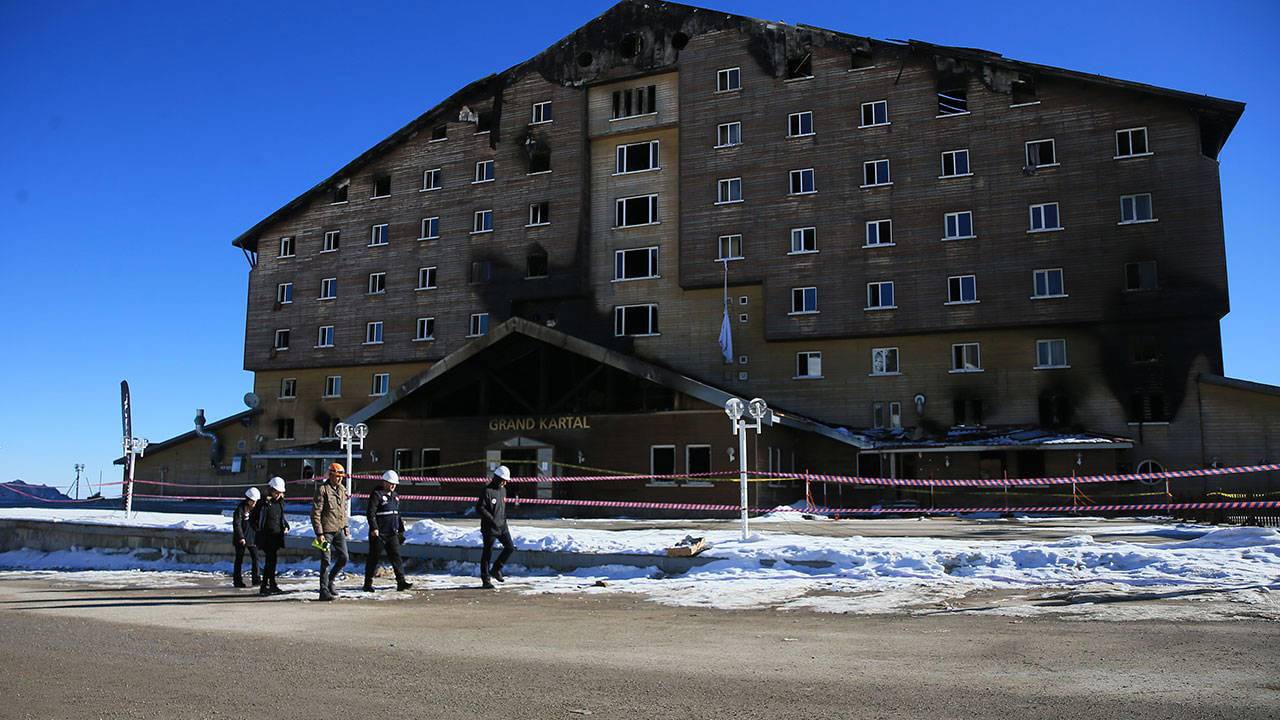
(386, 531)
(492, 508)
(270, 528)
(242, 537)
(329, 521)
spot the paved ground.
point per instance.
(83, 650)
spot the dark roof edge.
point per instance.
(176, 439)
(1245, 385)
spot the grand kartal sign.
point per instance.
(562, 422)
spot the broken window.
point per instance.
(540, 213)
(1131, 142)
(800, 124)
(430, 458)
(331, 241)
(860, 58)
(439, 132)
(1023, 91)
(875, 113)
(967, 410)
(875, 172)
(1055, 410)
(536, 265)
(284, 428)
(877, 414)
(802, 182)
(539, 159)
(637, 157)
(484, 121)
(637, 264)
(639, 210)
(635, 101)
(879, 232)
(1140, 276)
(800, 67)
(1041, 153)
(1144, 349)
(630, 45)
(381, 185)
(1147, 407)
(662, 459)
(1136, 208)
(340, 191)
(728, 79)
(481, 272)
(953, 97)
(635, 320)
(697, 459)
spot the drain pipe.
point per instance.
(215, 450)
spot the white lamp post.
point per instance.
(134, 447)
(349, 438)
(735, 408)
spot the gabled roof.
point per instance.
(1245, 385)
(598, 41)
(665, 377)
(178, 439)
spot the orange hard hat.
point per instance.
(336, 468)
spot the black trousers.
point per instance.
(379, 545)
(253, 563)
(508, 547)
(270, 549)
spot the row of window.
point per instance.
(965, 358)
(424, 330)
(333, 386)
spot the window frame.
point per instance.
(876, 164)
(620, 320)
(477, 222)
(431, 272)
(887, 352)
(1048, 342)
(1146, 142)
(1031, 219)
(330, 284)
(729, 183)
(965, 367)
(946, 222)
(276, 344)
(380, 388)
(378, 279)
(1133, 202)
(728, 80)
(871, 104)
(1138, 265)
(973, 282)
(427, 323)
(808, 232)
(374, 235)
(485, 172)
(332, 383)
(289, 384)
(331, 235)
(955, 154)
(620, 156)
(726, 128)
(619, 263)
(284, 293)
(795, 121)
(434, 175)
(804, 295)
(1047, 273)
(321, 335)
(540, 118)
(878, 225)
(544, 213)
(808, 356)
(652, 482)
(880, 286)
(289, 242)
(720, 247)
(1053, 145)
(373, 329)
(478, 325)
(377, 178)
(432, 222)
(813, 182)
(620, 212)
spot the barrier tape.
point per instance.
(1023, 482)
(15, 490)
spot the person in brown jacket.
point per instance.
(329, 521)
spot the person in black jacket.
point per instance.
(242, 537)
(271, 528)
(386, 531)
(492, 508)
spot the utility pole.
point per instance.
(349, 438)
(735, 408)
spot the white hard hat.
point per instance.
(253, 494)
(277, 484)
(503, 472)
(391, 476)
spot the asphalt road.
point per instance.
(78, 650)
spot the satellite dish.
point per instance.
(251, 400)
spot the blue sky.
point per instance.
(139, 138)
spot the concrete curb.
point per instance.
(203, 547)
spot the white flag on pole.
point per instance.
(726, 330)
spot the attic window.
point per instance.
(439, 132)
(484, 122)
(630, 45)
(860, 58)
(800, 68)
(1023, 91)
(953, 97)
(340, 191)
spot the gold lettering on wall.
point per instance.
(563, 422)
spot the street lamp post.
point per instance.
(735, 408)
(349, 438)
(133, 446)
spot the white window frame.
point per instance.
(620, 156)
(380, 384)
(288, 389)
(379, 279)
(886, 353)
(620, 316)
(332, 386)
(322, 336)
(287, 335)
(539, 116)
(1031, 217)
(287, 243)
(955, 154)
(1146, 140)
(653, 471)
(876, 164)
(375, 196)
(430, 273)
(728, 240)
(800, 174)
(478, 221)
(485, 172)
(880, 226)
(330, 285)
(431, 180)
(862, 114)
(804, 293)
(724, 188)
(619, 210)
(620, 258)
(374, 234)
(809, 357)
(429, 229)
(424, 329)
(879, 286)
(332, 241)
(284, 293)
(800, 233)
(957, 215)
(1035, 277)
(373, 333)
(1133, 202)
(724, 131)
(795, 121)
(540, 221)
(965, 366)
(962, 301)
(478, 325)
(728, 80)
(1049, 343)
(1027, 153)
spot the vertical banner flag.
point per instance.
(126, 416)
(726, 329)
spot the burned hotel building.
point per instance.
(936, 261)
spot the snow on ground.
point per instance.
(1200, 573)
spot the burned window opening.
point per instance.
(440, 132)
(861, 59)
(1148, 407)
(1144, 349)
(585, 59)
(953, 96)
(536, 263)
(967, 411)
(1055, 410)
(381, 185)
(340, 191)
(1023, 91)
(481, 272)
(635, 101)
(1212, 137)
(800, 68)
(484, 121)
(679, 41)
(538, 154)
(630, 45)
